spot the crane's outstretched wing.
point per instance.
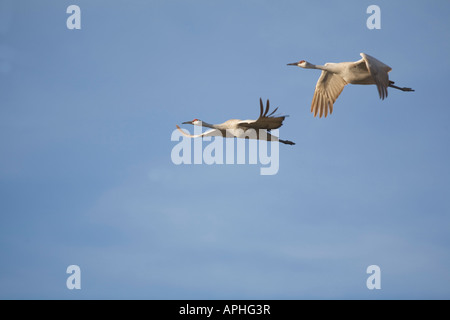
(265, 120)
(379, 72)
(209, 133)
(328, 88)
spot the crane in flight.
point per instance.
(248, 129)
(335, 76)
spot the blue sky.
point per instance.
(86, 176)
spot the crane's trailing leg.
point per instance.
(270, 137)
(391, 84)
(287, 142)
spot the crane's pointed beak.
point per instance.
(292, 64)
(187, 122)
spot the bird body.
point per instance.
(246, 129)
(335, 76)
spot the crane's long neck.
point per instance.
(208, 125)
(330, 67)
(314, 66)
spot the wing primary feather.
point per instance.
(322, 106)
(261, 106)
(267, 108)
(322, 101)
(316, 106)
(273, 112)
